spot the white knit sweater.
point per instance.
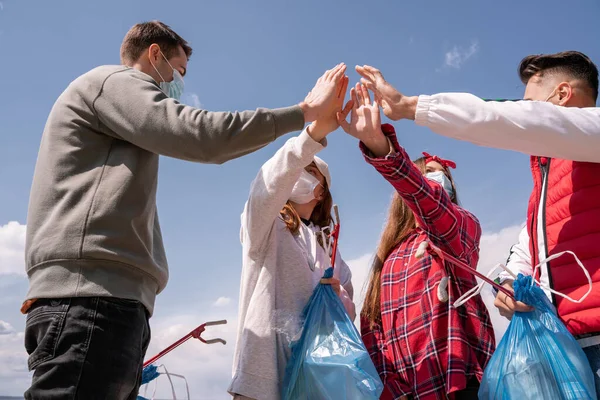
(279, 274)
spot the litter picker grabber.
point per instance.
(196, 334)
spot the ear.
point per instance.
(154, 52)
(564, 93)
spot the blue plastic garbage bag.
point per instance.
(537, 358)
(329, 360)
(149, 374)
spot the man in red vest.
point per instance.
(559, 126)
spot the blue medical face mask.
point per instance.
(173, 89)
(441, 178)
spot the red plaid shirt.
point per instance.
(426, 348)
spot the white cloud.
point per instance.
(12, 248)
(222, 302)
(14, 376)
(360, 268)
(456, 57)
(192, 99)
(495, 248)
(6, 328)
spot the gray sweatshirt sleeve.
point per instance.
(134, 109)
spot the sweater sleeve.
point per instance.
(135, 110)
(449, 226)
(530, 127)
(273, 186)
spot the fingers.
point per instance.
(365, 95)
(335, 73)
(328, 73)
(521, 307)
(516, 305)
(343, 87)
(339, 72)
(508, 306)
(359, 95)
(505, 313)
(502, 307)
(373, 88)
(341, 117)
(343, 123)
(334, 282)
(368, 72)
(363, 72)
(347, 108)
(354, 98)
(369, 84)
(373, 71)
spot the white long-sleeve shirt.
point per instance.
(530, 127)
(279, 273)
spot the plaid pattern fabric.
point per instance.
(426, 348)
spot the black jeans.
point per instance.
(86, 348)
(470, 392)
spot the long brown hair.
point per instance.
(399, 224)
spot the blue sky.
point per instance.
(269, 54)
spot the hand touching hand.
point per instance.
(322, 99)
(365, 121)
(395, 105)
(328, 123)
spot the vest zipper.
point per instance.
(545, 169)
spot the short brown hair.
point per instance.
(573, 63)
(141, 36)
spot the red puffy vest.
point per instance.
(571, 212)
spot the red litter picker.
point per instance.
(196, 334)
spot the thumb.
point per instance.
(343, 123)
(377, 97)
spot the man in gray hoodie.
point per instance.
(94, 251)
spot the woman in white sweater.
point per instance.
(284, 260)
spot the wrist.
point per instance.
(307, 111)
(317, 131)
(408, 105)
(378, 145)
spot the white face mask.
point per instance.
(304, 189)
(441, 178)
